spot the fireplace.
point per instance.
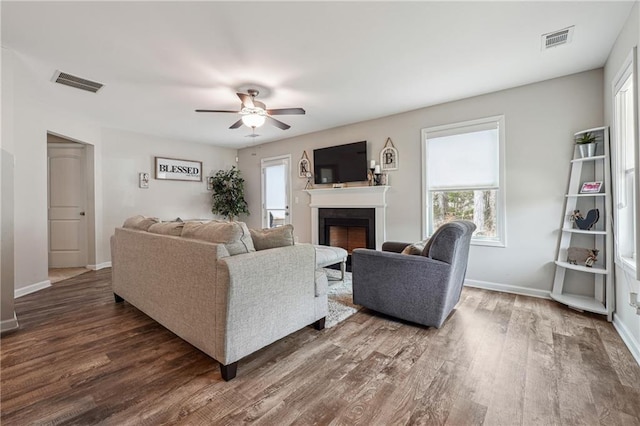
(349, 228)
(350, 204)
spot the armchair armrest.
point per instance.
(394, 246)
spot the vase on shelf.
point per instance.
(587, 149)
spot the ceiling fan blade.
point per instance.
(236, 124)
(286, 111)
(277, 123)
(246, 100)
(216, 110)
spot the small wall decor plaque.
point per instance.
(174, 169)
(389, 156)
(304, 166)
(143, 180)
(591, 187)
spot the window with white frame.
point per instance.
(463, 177)
(624, 141)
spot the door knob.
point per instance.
(81, 213)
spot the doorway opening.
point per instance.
(276, 184)
(70, 207)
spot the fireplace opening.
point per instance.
(348, 237)
(349, 228)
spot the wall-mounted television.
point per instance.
(341, 163)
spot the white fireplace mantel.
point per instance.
(349, 198)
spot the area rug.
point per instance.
(340, 294)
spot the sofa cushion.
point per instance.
(268, 238)
(415, 248)
(167, 228)
(234, 235)
(140, 223)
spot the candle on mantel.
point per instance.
(376, 170)
(372, 164)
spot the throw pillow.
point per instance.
(415, 248)
(267, 238)
(167, 228)
(140, 223)
(233, 235)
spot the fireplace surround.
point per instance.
(364, 198)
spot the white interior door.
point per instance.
(67, 203)
(276, 192)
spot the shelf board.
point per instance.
(592, 270)
(595, 157)
(584, 231)
(584, 303)
(599, 194)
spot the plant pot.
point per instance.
(587, 149)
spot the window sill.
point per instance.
(488, 243)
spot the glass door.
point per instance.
(275, 191)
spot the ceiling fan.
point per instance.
(255, 113)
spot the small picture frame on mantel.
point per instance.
(389, 156)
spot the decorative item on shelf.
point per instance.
(376, 175)
(582, 256)
(389, 156)
(587, 144)
(591, 187)
(585, 223)
(309, 184)
(304, 166)
(370, 174)
(143, 180)
(210, 183)
(228, 194)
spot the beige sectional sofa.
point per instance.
(228, 306)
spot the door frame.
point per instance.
(288, 198)
(90, 197)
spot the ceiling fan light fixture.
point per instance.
(253, 119)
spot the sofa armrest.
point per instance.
(409, 286)
(270, 294)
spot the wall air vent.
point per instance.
(557, 38)
(77, 82)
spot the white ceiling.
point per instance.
(343, 62)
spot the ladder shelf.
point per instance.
(577, 285)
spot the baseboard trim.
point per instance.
(99, 266)
(627, 338)
(9, 325)
(505, 288)
(23, 291)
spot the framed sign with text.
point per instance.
(174, 169)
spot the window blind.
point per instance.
(458, 160)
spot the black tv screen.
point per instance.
(341, 163)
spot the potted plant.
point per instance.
(228, 194)
(587, 144)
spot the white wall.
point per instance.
(126, 154)
(625, 318)
(540, 122)
(119, 156)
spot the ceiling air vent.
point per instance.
(557, 38)
(77, 82)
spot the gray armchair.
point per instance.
(420, 288)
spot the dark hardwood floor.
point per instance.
(500, 359)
